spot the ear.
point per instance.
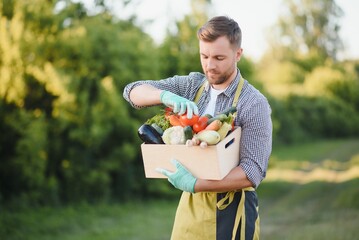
(239, 54)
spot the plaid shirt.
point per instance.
(253, 116)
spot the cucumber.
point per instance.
(188, 132)
(221, 117)
(209, 116)
(229, 110)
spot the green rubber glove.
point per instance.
(179, 104)
(181, 178)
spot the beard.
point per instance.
(217, 78)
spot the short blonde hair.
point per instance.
(221, 26)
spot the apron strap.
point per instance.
(241, 214)
(236, 96)
(199, 92)
(238, 91)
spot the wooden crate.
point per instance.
(213, 162)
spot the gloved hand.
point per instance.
(181, 178)
(179, 104)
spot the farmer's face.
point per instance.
(219, 61)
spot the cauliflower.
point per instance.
(174, 135)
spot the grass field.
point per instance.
(150, 220)
(311, 192)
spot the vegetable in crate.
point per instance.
(224, 130)
(160, 120)
(201, 124)
(174, 135)
(185, 121)
(211, 137)
(157, 128)
(174, 120)
(230, 110)
(225, 116)
(149, 135)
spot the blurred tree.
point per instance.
(308, 31)
(25, 107)
(282, 78)
(302, 73)
(305, 37)
(99, 143)
(61, 83)
(347, 89)
(12, 89)
(180, 50)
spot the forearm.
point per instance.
(145, 95)
(236, 179)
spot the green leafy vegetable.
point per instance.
(160, 120)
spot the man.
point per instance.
(227, 208)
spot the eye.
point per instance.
(220, 58)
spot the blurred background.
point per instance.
(70, 160)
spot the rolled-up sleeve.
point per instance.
(185, 86)
(128, 88)
(256, 140)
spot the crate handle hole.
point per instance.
(229, 143)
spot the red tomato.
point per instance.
(201, 124)
(168, 112)
(188, 122)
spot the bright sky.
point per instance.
(253, 16)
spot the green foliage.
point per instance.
(284, 122)
(309, 27)
(100, 128)
(67, 134)
(317, 83)
(247, 68)
(23, 164)
(71, 106)
(180, 51)
(313, 117)
(347, 88)
(284, 73)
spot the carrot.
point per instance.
(174, 120)
(215, 125)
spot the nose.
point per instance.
(211, 64)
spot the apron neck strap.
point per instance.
(236, 96)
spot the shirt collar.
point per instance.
(233, 85)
